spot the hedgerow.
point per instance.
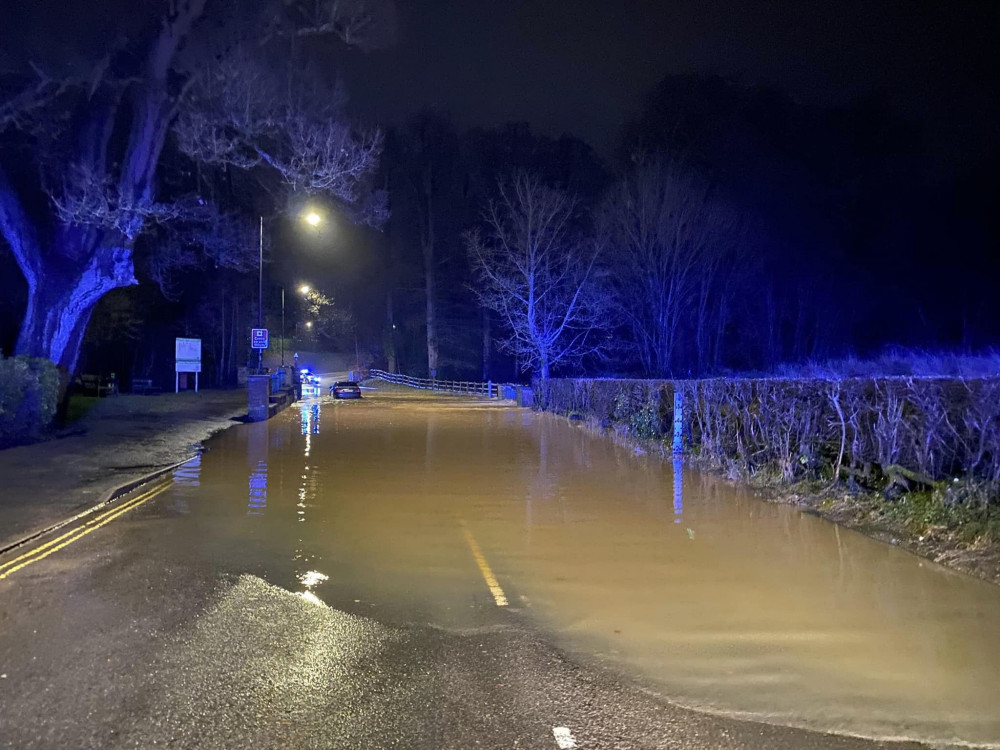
(29, 393)
(895, 434)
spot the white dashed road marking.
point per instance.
(564, 738)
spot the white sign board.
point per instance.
(187, 356)
(187, 350)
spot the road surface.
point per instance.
(421, 571)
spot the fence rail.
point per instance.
(488, 389)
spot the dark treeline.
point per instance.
(733, 229)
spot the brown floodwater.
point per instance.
(700, 591)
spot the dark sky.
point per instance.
(583, 65)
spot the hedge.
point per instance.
(29, 394)
(910, 431)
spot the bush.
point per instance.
(29, 394)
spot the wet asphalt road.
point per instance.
(175, 625)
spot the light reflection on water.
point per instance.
(309, 417)
(189, 473)
(186, 477)
(678, 468)
(257, 455)
(258, 490)
(707, 594)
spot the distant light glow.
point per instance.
(313, 218)
(305, 289)
(309, 324)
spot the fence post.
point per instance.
(678, 421)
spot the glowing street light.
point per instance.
(309, 324)
(313, 218)
(305, 289)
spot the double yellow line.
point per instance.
(40, 553)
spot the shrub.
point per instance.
(29, 394)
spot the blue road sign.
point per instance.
(258, 338)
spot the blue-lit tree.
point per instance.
(537, 272)
(93, 143)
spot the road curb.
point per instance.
(109, 497)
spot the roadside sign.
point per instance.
(187, 350)
(187, 358)
(258, 338)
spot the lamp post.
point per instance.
(314, 219)
(260, 294)
(304, 290)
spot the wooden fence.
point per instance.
(488, 389)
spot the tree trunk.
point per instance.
(220, 369)
(429, 283)
(432, 335)
(61, 302)
(486, 344)
(87, 261)
(390, 341)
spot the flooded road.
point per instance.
(405, 508)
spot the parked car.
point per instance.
(345, 389)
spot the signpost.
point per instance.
(258, 341)
(187, 358)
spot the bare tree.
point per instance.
(328, 320)
(426, 154)
(246, 116)
(204, 238)
(538, 275)
(97, 140)
(670, 239)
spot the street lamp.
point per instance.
(303, 289)
(260, 294)
(313, 218)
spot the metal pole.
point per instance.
(260, 294)
(282, 326)
(678, 422)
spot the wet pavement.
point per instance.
(428, 571)
(121, 438)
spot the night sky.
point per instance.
(584, 66)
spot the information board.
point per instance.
(187, 358)
(258, 338)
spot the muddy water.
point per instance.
(704, 593)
